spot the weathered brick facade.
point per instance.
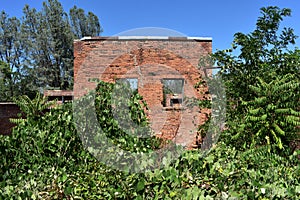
(149, 60)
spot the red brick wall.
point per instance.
(150, 61)
(7, 110)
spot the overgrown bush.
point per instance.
(37, 153)
(272, 115)
(121, 116)
(45, 159)
(263, 96)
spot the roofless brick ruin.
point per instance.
(164, 70)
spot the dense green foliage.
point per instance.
(262, 83)
(38, 48)
(36, 152)
(46, 160)
(121, 116)
(264, 53)
(112, 125)
(272, 116)
(32, 108)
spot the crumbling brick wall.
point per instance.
(149, 61)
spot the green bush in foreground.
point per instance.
(272, 115)
(45, 159)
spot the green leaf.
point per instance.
(63, 177)
(140, 185)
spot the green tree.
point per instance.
(39, 48)
(11, 57)
(259, 53)
(49, 45)
(272, 117)
(5, 82)
(49, 39)
(84, 25)
(264, 54)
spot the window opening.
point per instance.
(133, 83)
(172, 92)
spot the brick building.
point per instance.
(164, 70)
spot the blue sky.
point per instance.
(218, 19)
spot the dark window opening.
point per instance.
(172, 92)
(175, 101)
